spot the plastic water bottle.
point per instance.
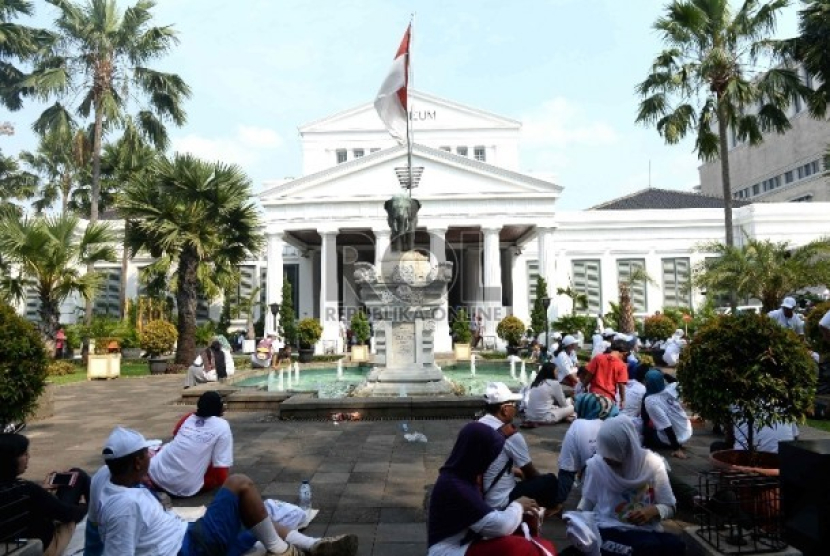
(305, 496)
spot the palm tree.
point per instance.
(63, 164)
(47, 253)
(17, 43)
(15, 184)
(763, 269)
(102, 53)
(198, 215)
(637, 276)
(708, 80)
(811, 49)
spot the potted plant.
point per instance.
(130, 348)
(511, 329)
(23, 364)
(462, 334)
(157, 339)
(750, 369)
(309, 332)
(360, 333)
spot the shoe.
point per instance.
(292, 551)
(342, 545)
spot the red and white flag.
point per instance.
(391, 102)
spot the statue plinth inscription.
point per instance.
(400, 351)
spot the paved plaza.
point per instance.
(366, 478)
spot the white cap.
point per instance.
(789, 303)
(679, 333)
(123, 442)
(557, 335)
(568, 341)
(608, 332)
(498, 392)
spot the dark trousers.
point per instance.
(73, 494)
(544, 489)
(640, 543)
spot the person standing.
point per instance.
(786, 316)
(60, 344)
(607, 373)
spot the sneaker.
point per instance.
(292, 551)
(342, 545)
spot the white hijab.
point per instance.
(618, 440)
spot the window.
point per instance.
(341, 155)
(446, 148)
(788, 177)
(637, 287)
(374, 150)
(808, 169)
(108, 297)
(480, 154)
(676, 286)
(532, 274)
(586, 281)
(756, 189)
(263, 288)
(461, 151)
(814, 165)
(32, 304)
(358, 153)
(802, 199)
(239, 295)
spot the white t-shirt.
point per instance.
(498, 523)
(665, 411)
(765, 439)
(516, 448)
(132, 521)
(541, 400)
(794, 323)
(579, 445)
(634, 393)
(179, 468)
(96, 487)
(599, 346)
(564, 365)
(825, 320)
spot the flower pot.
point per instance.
(105, 365)
(462, 352)
(360, 354)
(761, 502)
(306, 355)
(764, 463)
(158, 365)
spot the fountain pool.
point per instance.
(324, 381)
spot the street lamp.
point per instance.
(275, 309)
(546, 305)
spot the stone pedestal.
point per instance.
(405, 300)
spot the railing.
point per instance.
(12, 517)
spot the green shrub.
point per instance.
(308, 332)
(461, 328)
(571, 324)
(205, 333)
(23, 363)
(61, 368)
(750, 365)
(73, 335)
(158, 337)
(658, 327)
(812, 330)
(511, 329)
(360, 327)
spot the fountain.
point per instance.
(512, 367)
(339, 369)
(523, 375)
(472, 364)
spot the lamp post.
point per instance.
(546, 305)
(275, 309)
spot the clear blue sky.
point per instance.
(565, 68)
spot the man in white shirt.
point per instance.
(787, 317)
(202, 442)
(500, 485)
(132, 521)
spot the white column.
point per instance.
(472, 278)
(547, 263)
(329, 317)
(438, 251)
(492, 281)
(306, 285)
(521, 289)
(381, 247)
(274, 279)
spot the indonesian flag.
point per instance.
(391, 100)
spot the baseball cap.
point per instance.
(608, 332)
(123, 442)
(789, 303)
(568, 341)
(498, 392)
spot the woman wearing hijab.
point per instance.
(546, 402)
(665, 423)
(460, 520)
(225, 346)
(579, 444)
(628, 488)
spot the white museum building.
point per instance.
(498, 225)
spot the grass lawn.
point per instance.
(822, 424)
(128, 369)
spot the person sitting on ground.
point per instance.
(580, 442)
(765, 439)
(673, 347)
(201, 453)
(635, 391)
(460, 521)
(786, 316)
(628, 488)
(597, 343)
(535, 352)
(202, 371)
(50, 518)
(546, 402)
(133, 521)
(665, 423)
(261, 358)
(607, 373)
(225, 345)
(566, 361)
(500, 483)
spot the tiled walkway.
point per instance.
(366, 478)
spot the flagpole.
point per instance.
(408, 118)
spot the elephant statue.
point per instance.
(402, 216)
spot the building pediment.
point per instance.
(445, 175)
(427, 112)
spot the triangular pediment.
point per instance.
(427, 112)
(444, 175)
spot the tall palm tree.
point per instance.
(763, 269)
(198, 215)
(101, 52)
(15, 185)
(18, 43)
(709, 80)
(63, 164)
(811, 49)
(47, 253)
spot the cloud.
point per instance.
(246, 147)
(559, 123)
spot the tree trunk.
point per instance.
(49, 313)
(723, 129)
(125, 259)
(626, 311)
(94, 197)
(186, 300)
